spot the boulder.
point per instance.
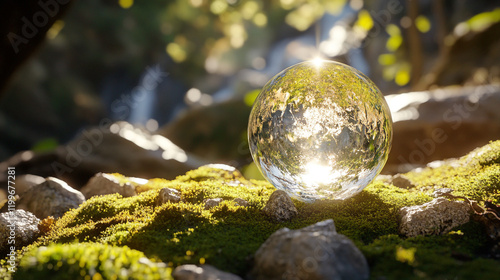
(24, 225)
(204, 272)
(50, 198)
(108, 148)
(313, 252)
(280, 207)
(102, 184)
(438, 216)
(213, 132)
(440, 124)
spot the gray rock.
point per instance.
(401, 181)
(50, 198)
(102, 184)
(168, 195)
(241, 202)
(438, 216)
(212, 202)
(441, 191)
(314, 252)
(280, 207)
(398, 180)
(204, 272)
(24, 225)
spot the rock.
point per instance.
(108, 148)
(241, 202)
(168, 195)
(398, 180)
(51, 198)
(24, 224)
(213, 132)
(439, 124)
(102, 184)
(313, 252)
(212, 202)
(438, 216)
(204, 272)
(280, 207)
(441, 191)
(401, 181)
(25, 182)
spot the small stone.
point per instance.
(103, 184)
(438, 216)
(326, 225)
(51, 198)
(212, 202)
(401, 181)
(204, 272)
(442, 191)
(168, 195)
(240, 202)
(24, 224)
(314, 252)
(280, 207)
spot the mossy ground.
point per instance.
(226, 236)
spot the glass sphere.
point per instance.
(320, 130)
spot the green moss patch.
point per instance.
(226, 236)
(89, 261)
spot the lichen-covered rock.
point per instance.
(168, 195)
(241, 202)
(23, 225)
(436, 217)
(204, 272)
(314, 252)
(103, 183)
(212, 202)
(51, 198)
(280, 207)
(441, 192)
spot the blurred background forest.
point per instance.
(187, 71)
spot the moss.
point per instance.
(89, 261)
(476, 176)
(227, 235)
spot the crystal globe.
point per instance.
(320, 130)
